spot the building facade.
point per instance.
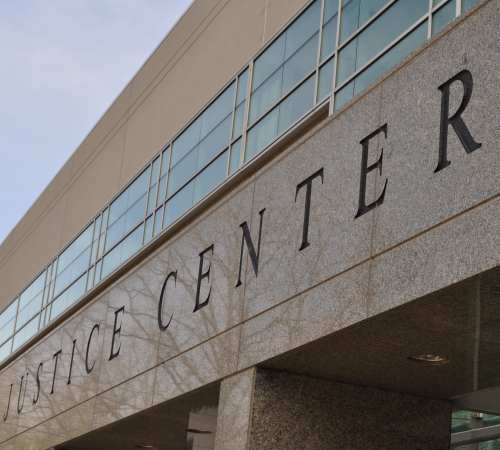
(283, 233)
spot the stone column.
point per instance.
(235, 404)
(291, 411)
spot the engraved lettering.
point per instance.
(8, 404)
(202, 275)
(363, 208)
(115, 332)
(456, 120)
(71, 365)
(96, 326)
(246, 238)
(160, 305)
(56, 356)
(308, 183)
(20, 407)
(36, 396)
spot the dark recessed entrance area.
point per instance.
(459, 325)
(163, 428)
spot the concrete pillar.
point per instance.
(288, 411)
(235, 404)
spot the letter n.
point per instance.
(246, 238)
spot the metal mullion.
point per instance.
(52, 281)
(15, 324)
(44, 312)
(281, 99)
(105, 234)
(162, 207)
(247, 112)
(458, 7)
(157, 185)
(335, 64)
(236, 86)
(279, 32)
(198, 114)
(438, 6)
(197, 173)
(17, 313)
(429, 25)
(151, 164)
(69, 285)
(441, 5)
(382, 52)
(235, 139)
(98, 240)
(40, 325)
(366, 24)
(55, 274)
(5, 341)
(28, 321)
(320, 43)
(328, 57)
(91, 246)
(47, 276)
(168, 178)
(49, 313)
(97, 276)
(293, 125)
(120, 241)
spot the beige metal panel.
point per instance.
(33, 253)
(278, 13)
(177, 38)
(35, 214)
(103, 131)
(233, 36)
(209, 44)
(96, 185)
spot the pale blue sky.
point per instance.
(62, 63)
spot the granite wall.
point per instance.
(297, 412)
(433, 230)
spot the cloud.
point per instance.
(62, 65)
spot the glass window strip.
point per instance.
(185, 183)
(52, 268)
(381, 53)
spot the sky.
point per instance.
(62, 64)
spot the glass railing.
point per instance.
(333, 49)
(462, 421)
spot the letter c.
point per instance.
(162, 295)
(97, 325)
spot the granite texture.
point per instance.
(459, 323)
(330, 307)
(204, 364)
(122, 401)
(45, 407)
(12, 375)
(138, 340)
(63, 427)
(83, 386)
(449, 253)
(297, 412)
(221, 230)
(417, 198)
(337, 240)
(351, 307)
(235, 404)
(163, 427)
(74, 422)
(8, 445)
